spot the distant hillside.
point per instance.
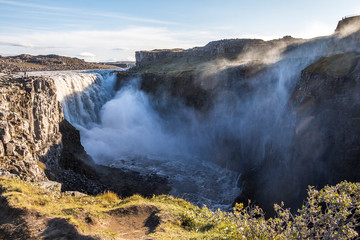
(25, 62)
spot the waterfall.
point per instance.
(201, 153)
(83, 93)
(133, 135)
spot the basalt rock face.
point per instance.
(327, 109)
(29, 132)
(36, 142)
(325, 147)
(210, 51)
(228, 48)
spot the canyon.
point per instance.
(234, 120)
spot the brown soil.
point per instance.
(133, 222)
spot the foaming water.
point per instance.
(132, 135)
(123, 130)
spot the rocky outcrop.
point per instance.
(327, 104)
(227, 48)
(77, 172)
(29, 126)
(347, 23)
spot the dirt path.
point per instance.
(133, 222)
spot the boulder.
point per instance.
(50, 185)
(75, 194)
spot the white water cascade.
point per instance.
(123, 130)
(82, 93)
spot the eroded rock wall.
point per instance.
(29, 126)
(227, 48)
(327, 103)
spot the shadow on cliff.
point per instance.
(78, 172)
(276, 160)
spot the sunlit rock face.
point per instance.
(30, 116)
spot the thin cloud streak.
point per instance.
(121, 44)
(30, 5)
(10, 44)
(80, 12)
(134, 19)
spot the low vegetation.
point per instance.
(330, 213)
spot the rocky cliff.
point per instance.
(348, 24)
(324, 148)
(29, 120)
(326, 105)
(227, 48)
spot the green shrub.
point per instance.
(330, 213)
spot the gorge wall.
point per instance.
(30, 134)
(229, 48)
(282, 113)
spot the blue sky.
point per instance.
(114, 30)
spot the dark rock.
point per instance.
(348, 22)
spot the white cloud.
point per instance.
(122, 44)
(25, 45)
(103, 45)
(315, 29)
(80, 12)
(88, 56)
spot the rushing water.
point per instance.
(122, 129)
